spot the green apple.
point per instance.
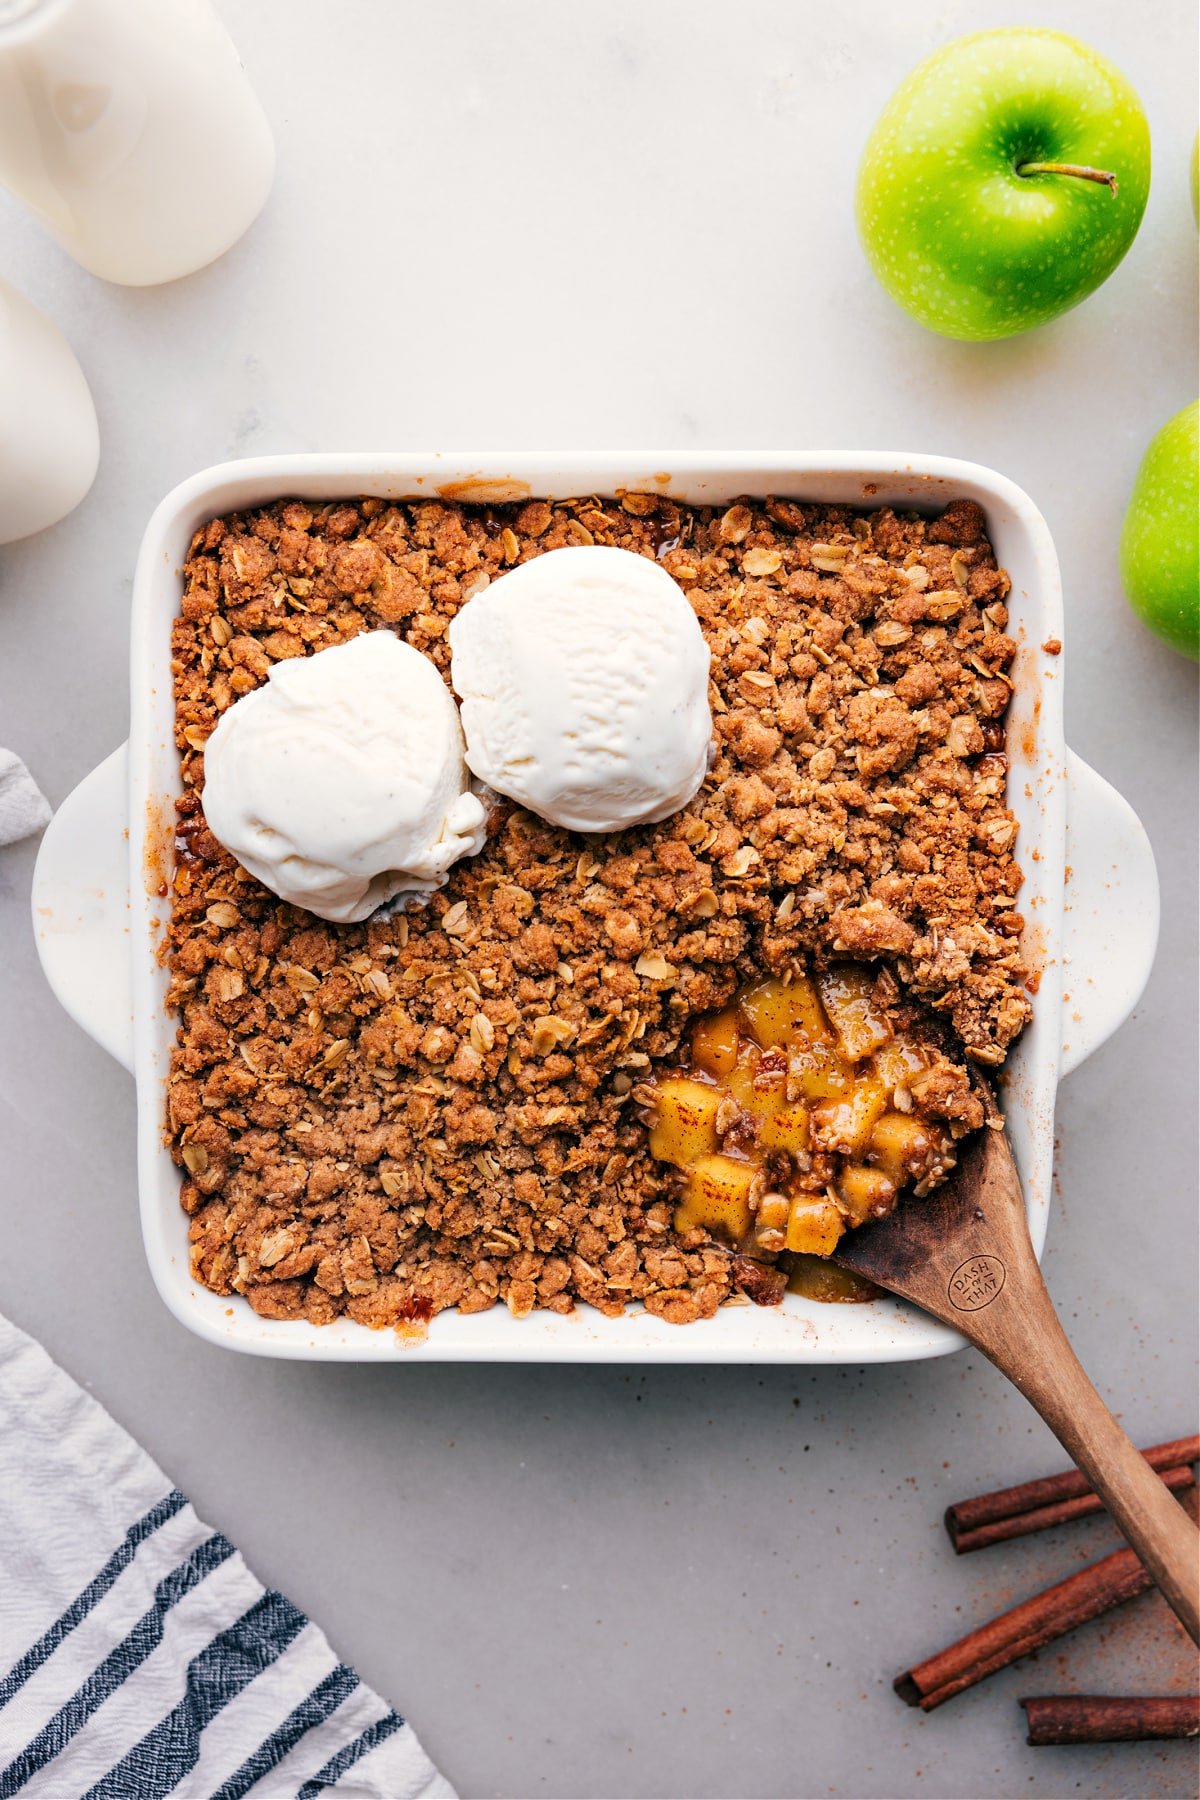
(1160, 541)
(1005, 180)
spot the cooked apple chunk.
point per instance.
(845, 1125)
(776, 1011)
(787, 1129)
(900, 1146)
(847, 994)
(715, 1043)
(899, 1062)
(814, 1225)
(819, 1071)
(716, 1195)
(865, 1193)
(685, 1123)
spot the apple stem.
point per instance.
(1077, 169)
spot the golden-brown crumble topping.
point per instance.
(436, 1108)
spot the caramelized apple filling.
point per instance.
(804, 1108)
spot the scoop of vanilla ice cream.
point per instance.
(583, 677)
(341, 782)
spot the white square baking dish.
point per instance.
(99, 890)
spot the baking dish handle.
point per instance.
(81, 906)
(1110, 923)
(82, 925)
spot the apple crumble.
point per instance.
(443, 1106)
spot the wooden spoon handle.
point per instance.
(1055, 1382)
(964, 1254)
(1001, 1304)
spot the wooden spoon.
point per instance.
(964, 1254)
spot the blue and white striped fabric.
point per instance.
(139, 1656)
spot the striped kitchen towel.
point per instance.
(138, 1655)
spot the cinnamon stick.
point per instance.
(1044, 1518)
(1110, 1718)
(1029, 1627)
(1050, 1490)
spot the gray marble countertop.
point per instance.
(530, 224)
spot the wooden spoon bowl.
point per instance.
(964, 1254)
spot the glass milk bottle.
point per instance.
(49, 444)
(130, 127)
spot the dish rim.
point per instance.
(799, 1332)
